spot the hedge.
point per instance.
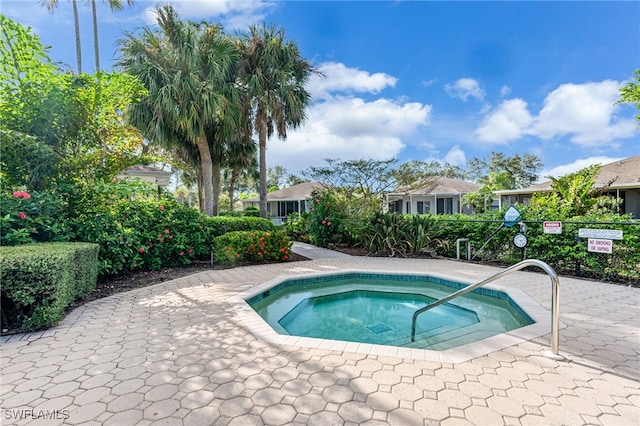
(39, 281)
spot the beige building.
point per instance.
(620, 179)
(284, 202)
(436, 196)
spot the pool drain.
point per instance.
(379, 328)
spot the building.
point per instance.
(283, 202)
(620, 179)
(147, 174)
(440, 195)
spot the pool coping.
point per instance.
(263, 331)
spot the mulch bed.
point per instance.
(108, 285)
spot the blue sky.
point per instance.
(422, 80)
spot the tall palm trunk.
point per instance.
(96, 49)
(262, 137)
(216, 189)
(232, 186)
(207, 174)
(76, 22)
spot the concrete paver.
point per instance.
(177, 353)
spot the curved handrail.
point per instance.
(555, 295)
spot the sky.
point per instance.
(420, 80)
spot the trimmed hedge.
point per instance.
(39, 281)
(220, 225)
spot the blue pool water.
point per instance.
(378, 309)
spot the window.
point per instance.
(423, 207)
(285, 208)
(444, 206)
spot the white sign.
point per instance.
(600, 246)
(552, 227)
(608, 234)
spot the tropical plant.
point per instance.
(273, 75)
(59, 127)
(630, 93)
(188, 69)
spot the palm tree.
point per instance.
(52, 5)
(113, 5)
(273, 74)
(188, 70)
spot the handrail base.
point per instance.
(556, 357)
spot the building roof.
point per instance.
(148, 173)
(301, 191)
(441, 185)
(619, 174)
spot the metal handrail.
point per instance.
(555, 296)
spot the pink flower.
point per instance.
(141, 250)
(22, 194)
(161, 208)
(190, 251)
(166, 231)
(22, 215)
(324, 221)
(181, 253)
(328, 223)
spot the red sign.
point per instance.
(552, 227)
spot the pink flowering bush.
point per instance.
(144, 234)
(31, 217)
(325, 219)
(255, 246)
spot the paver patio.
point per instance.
(176, 353)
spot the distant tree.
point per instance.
(276, 177)
(417, 173)
(51, 6)
(630, 93)
(361, 183)
(521, 171)
(113, 5)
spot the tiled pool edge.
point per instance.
(262, 331)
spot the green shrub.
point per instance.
(31, 217)
(220, 225)
(144, 234)
(296, 226)
(249, 211)
(393, 233)
(325, 219)
(39, 281)
(256, 246)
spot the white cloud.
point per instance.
(338, 77)
(456, 156)
(505, 91)
(348, 128)
(506, 123)
(584, 110)
(232, 14)
(576, 165)
(465, 88)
